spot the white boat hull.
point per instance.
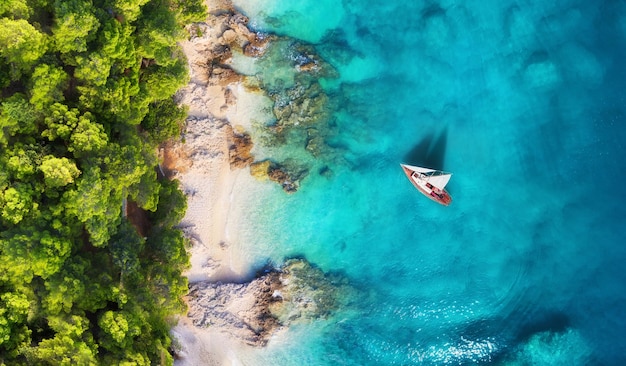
(422, 181)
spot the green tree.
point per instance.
(88, 137)
(49, 254)
(160, 82)
(172, 205)
(15, 9)
(115, 325)
(189, 11)
(17, 202)
(118, 44)
(61, 121)
(22, 162)
(58, 172)
(125, 247)
(72, 343)
(157, 32)
(48, 83)
(96, 204)
(85, 98)
(20, 44)
(93, 70)
(16, 116)
(146, 192)
(128, 10)
(167, 285)
(163, 121)
(75, 25)
(127, 163)
(118, 95)
(14, 333)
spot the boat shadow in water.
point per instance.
(430, 151)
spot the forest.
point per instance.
(90, 253)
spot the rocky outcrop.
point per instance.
(315, 141)
(239, 147)
(288, 179)
(288, 174)
(239, 309)
(210, 95)
(302, 111)
(213, 42)
(174, 159)
(303, 104)
(306, 59)
(254, 311)
(307, 293)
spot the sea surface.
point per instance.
(525, 103)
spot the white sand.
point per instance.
(206, 347)
(206, 176)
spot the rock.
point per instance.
(174, 159)
(257, 47)
(252, 312)
(308, 67)
(239, 24)
(325, 171)
(223, 76)
(260, 169)
(242, 310)
(221, 54)
(282, 112)
(229, 97)
(306, 59)
(305, 104)
(315, 142)
(216, 7)
(306, 294)
(288, 177)
(302, 111)
(239, 147)
(229, 37)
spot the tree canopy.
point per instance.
(86, 98)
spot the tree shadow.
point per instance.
(430, 151)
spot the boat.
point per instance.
(430, 182)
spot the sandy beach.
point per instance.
(219, 107)
(233, 310)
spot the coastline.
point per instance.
(211, 162)
(233, 310)
(213, 156)
(444, 302)
(203, 163)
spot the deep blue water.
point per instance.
(524, 102)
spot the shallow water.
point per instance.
(524, 103)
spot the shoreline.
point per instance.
(204, 164)
(233, 310)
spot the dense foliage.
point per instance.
(90, 259)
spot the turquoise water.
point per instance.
(524, 102)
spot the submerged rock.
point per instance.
(306, 59)
(306, 294)
(299, 107)
(552, 348)
(254, 311)
(288, 175)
